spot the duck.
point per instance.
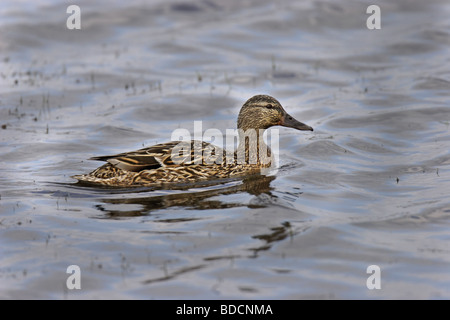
(190, 161)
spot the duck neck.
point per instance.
(252, 149)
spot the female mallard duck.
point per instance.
(181, 162)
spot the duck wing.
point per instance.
(143, 159)
(174, 153)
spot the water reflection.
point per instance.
(198, 197)
(119, 203)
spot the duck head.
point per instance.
(262, 112)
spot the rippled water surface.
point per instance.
(370, 186)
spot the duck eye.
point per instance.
(269, 106)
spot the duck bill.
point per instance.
(290, 122)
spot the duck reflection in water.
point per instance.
(194, 196)
(199, 197)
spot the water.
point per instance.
(368, 187)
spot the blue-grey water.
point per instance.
(370, 186)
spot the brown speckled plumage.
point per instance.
(165, 163)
